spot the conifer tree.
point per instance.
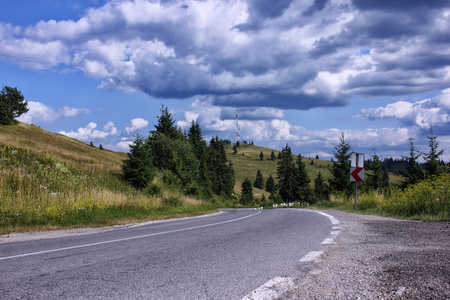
(137, 169)
(12, 105)
(414, 173)
(374, 180)
(259, 180)
(272, 155)
(340, 171)
(261, 156)
(271, 186)
(385, 177)
(321, 190)
(247, 192)
(432, 158)
(286, 170)
(301, 181)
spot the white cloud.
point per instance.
(123, 145)
(295, 55)
(136, 125)
(434, 112)
(89, 133)
(41, 113)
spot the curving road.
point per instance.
(234, 254)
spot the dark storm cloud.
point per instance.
(282, 54)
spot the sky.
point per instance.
(297, 73)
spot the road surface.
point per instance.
(234, 254)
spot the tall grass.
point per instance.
(37, 190)
(426, 200)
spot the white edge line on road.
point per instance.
(328, 241)
(125, 239)
(311, 256)
(272, 289)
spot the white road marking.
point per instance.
(312, 256)
(125, 239)
(272, 289)
(328, 241)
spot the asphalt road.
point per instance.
(220, 256)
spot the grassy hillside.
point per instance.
(48, 179)
(247, 162)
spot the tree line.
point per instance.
(184, 159)
(294, 182)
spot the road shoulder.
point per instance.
(380, 258)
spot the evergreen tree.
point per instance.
(271, 186)
(374, 180)
(234, 149)
(91, 144)
(100, 147)
(200, 148)
(247, 192)
(272, 155)
(166, 126)
(431, 158)
(414, 173)
(259, 181)
(137, 169)
(385, 177)
(286, 171)
(12, 105)
(340, 171)
(317, 156)
(279, 155)
(222, 171)
(301, 180)
(321, 189)
(261, 156)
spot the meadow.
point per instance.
(48, 180)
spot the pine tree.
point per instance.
(221, 170)
(301, 181)
(100, 147)
(414, 174)
(12, 105)
(374, 180)
(272, 155)
(247, 192)
(271, 186)
(286, 171)
(261, 156)
(137, 169)
(166, 126)
(259, 181)
(321, 189)
(340, 171)
(385, 177)
(432, 167)
(200, 148)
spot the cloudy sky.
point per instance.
(296, 72)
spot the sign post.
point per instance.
(357, 170)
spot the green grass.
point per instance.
(247, 162)
(51, 181)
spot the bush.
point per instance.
(428, 197)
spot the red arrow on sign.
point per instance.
(355, 174)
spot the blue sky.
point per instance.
(296, 72)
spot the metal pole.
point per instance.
(356, 192)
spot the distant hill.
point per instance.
(247, 162)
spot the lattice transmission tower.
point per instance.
(238, 130)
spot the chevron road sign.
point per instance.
(356, 174)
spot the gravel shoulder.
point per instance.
(380, 258)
